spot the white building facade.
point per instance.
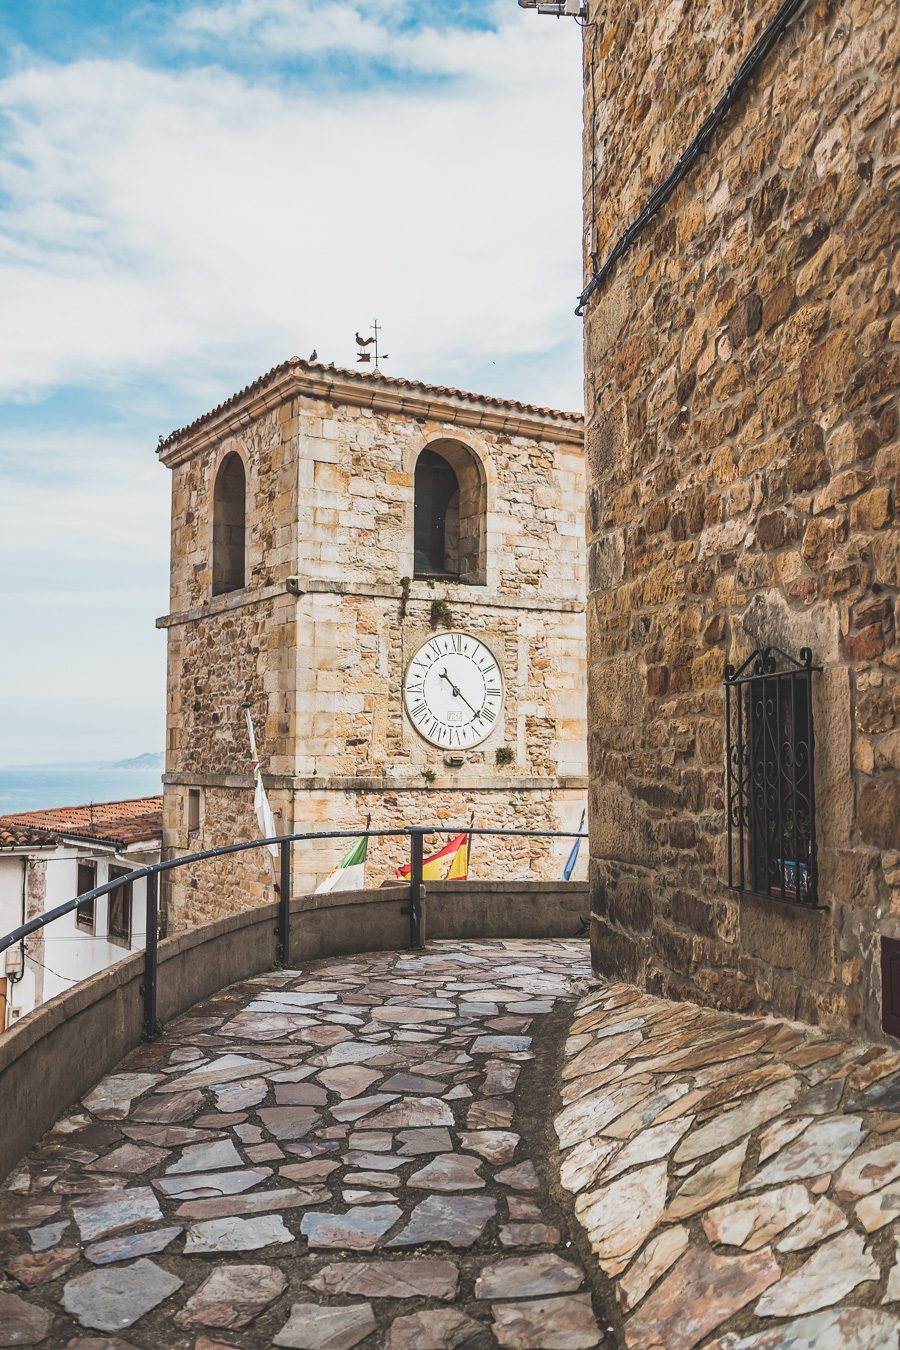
(46, 858)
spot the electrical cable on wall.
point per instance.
(35, 962)
(698, 146)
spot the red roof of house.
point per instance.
(295, 363)
(120, 823)
(23, 836)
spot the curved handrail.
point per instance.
(415, 833)
(169, 864)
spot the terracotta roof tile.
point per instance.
(378, 381)
(23, 836)
(121, 823)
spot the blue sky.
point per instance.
(189, 193)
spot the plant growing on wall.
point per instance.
(405, 584)
(504, 754)
(441, 615)
(429, 775)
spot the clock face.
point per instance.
(453, 691)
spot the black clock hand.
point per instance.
(456, 693)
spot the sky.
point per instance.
(189, 194)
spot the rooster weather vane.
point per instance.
(364, 356)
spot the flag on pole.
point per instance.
(451, 863)
(350, 873)
(260, 800)
(573, 855)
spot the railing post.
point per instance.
(150, 964)
(416, 855)
(284, 904)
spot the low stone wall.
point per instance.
(51, 1058)
(342, 922)
(499, 909)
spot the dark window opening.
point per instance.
(890, 985)
(450, 518)
(87, 880)
(770, 776)
(193, 810)
(436, 517)
(229, 526)
(119, 925)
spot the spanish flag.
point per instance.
(451, 863)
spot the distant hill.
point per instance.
(151, 759)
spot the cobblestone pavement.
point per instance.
(738, 1178)
(352, 1155)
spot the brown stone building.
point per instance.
(331, 530)
(742, 457)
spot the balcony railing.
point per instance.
(414, 833)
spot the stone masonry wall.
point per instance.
(268, 448)
(356, 479)
(742, 459)
(228, 885)
(355, 649)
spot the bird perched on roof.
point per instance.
(364, 342)
(314, 355)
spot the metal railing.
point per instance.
(285, 842)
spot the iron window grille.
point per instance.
(770, 771)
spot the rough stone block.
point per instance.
(619, 827)
(879, 813)
(615, 691)
(613, 955)
(789, 937)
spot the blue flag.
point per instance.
(573, 855)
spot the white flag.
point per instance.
(260, 800)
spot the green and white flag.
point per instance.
(350, 873)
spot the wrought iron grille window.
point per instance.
(770, 776)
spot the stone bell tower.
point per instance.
(326, 527)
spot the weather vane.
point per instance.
(364, 343)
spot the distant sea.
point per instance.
(35, 787)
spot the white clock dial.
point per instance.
(453, 691)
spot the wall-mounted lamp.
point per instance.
(573, 9)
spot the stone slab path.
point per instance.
(739, 1179)
(352, 1154)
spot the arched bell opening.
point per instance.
(229, 526)
(450, 514)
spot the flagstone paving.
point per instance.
(362, 1154)
(737, 1178)
(352, 1154)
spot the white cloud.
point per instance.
(167, 234)
(79, 512)
(290, 26)
(190, 224)
(83, 535)
(401, 35)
